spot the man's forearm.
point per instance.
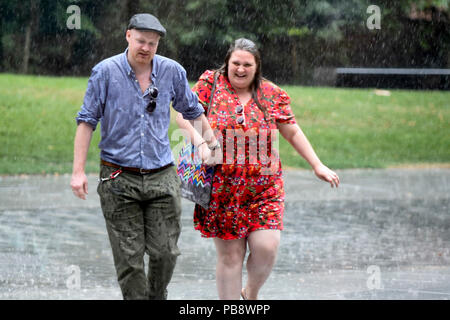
(83, 138)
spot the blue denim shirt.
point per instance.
(131, 136)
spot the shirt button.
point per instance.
(142, 115)
(142, 152)
(142, 134)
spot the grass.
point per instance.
(355, 128)
(348, 128)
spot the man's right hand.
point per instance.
(79, 181)
(79, 185)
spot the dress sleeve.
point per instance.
(280, 108)
(203, 87)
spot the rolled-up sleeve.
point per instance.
(185, 101)
(94, 99)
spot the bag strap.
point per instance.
(213, 89)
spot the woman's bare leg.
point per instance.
(230, 259)
(263, 245)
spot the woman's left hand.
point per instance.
(325, 174)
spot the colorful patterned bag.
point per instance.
(196, 178)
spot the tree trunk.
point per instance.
(1, 44)
(32, 22)
(132, 7)
(26, 48)
(294, 60)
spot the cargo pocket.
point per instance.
(112, 194)
(126, 231)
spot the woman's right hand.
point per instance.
(205, 153)
(207, 156)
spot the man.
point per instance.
(130, 95)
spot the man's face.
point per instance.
(142, 46)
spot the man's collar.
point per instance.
(129, 69)
(155, 65)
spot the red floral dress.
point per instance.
(247, 191)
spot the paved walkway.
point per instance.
(384, 234)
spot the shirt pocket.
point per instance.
(119, 100)
(163, 102)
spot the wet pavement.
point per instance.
(383, 234)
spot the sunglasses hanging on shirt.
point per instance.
(240, 111)
(153, 93)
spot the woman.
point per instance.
(247, 200)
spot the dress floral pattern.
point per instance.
(247, 191)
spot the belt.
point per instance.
(135, 170)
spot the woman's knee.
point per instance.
(230, 254)
(264, 243)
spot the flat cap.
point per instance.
(146, 21)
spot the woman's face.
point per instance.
(241, 69)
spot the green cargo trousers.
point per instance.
(142, 214)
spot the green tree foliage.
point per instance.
(295, 36)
